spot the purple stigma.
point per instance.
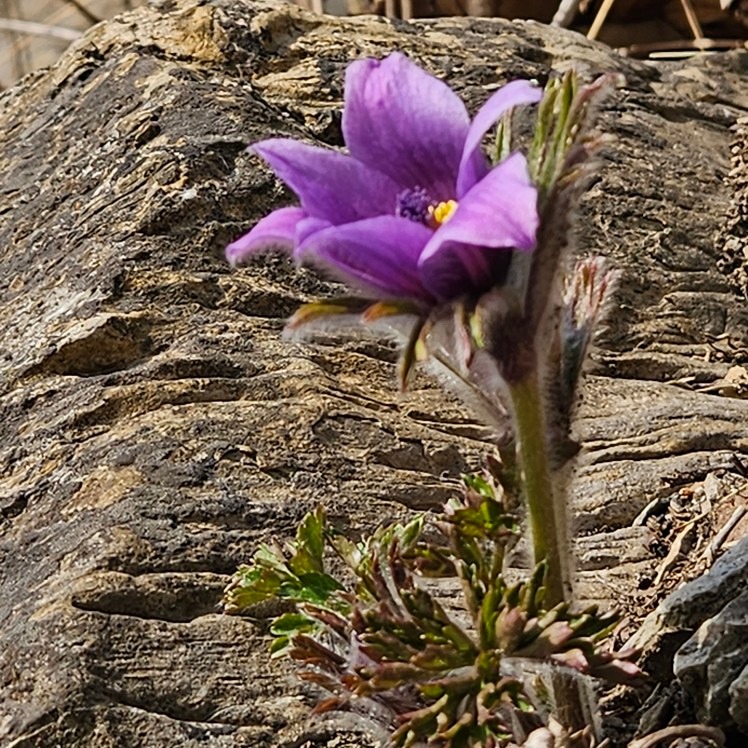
(414, 205)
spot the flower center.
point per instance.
(417, 205)
(442, 212)
(414, 204)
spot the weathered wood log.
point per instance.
(154, 427)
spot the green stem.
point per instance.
(546, 508)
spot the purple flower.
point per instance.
(415, 211)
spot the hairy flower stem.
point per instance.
(546, 510)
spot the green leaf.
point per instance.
(310, 543)
(309, 588)
(253, 584)
(286, 628)
(563, 128)
(292, 623)
(408, 534)
(503, 145)
(318, 587)
(280, 646)
(480, 485)
(351, 553)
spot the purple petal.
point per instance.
(376, 255)
(305, 228)
(463, 269)
(500, 212)
(330, 185)
(275, 231)
(473, 164)
(401, 120)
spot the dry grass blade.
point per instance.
(38, 29)
(33, 33)
(84, 11)
(675, 549)
(723, 534)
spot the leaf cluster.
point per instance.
(384, 640)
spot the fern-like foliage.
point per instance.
(389, 639)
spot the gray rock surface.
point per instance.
(738, 694)
(154, 428)
(713, 662)
(682, 613)
(704, 597)
(713, 659)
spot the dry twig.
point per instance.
(38, 29)
(714, 734)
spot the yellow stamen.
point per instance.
(442, 212)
